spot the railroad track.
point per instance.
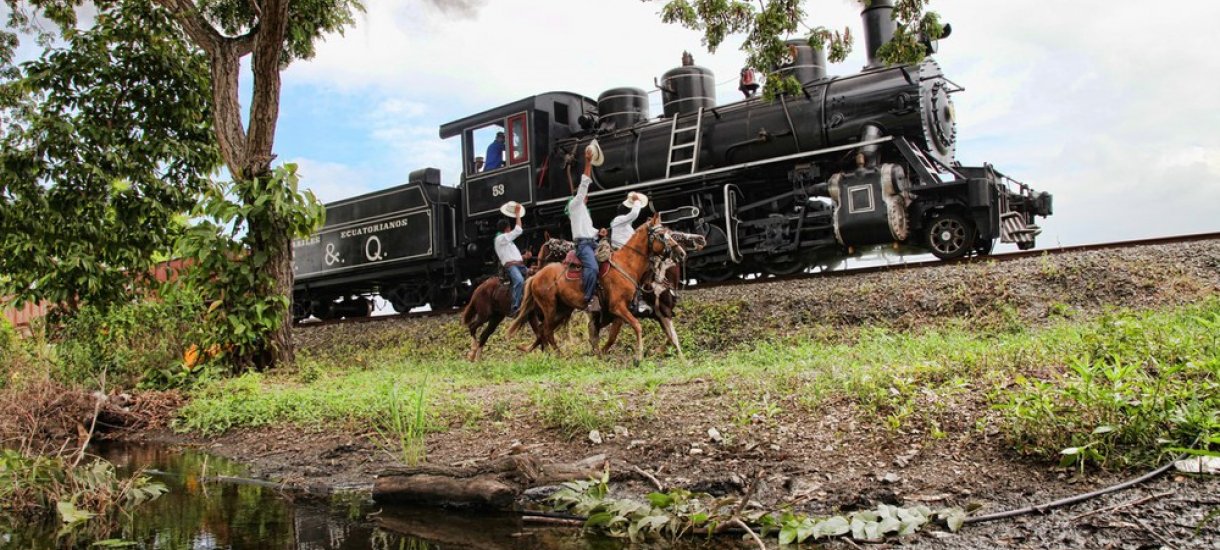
(1002, 257)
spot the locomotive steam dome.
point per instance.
(621, 108)
(807, 64)
(687, 88)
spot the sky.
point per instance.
(1107, 105)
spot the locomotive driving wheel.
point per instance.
(788, 266)
(949, 235)
(717, 273)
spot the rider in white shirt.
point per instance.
(620, 226)
(585, 234)
(510, 258)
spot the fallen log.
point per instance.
(495, 484)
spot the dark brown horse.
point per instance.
(556, 296)
(492, 299)
(659, 294)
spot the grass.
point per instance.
(1150, 377)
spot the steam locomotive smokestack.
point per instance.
(879, 26)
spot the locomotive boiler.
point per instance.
(776, 186)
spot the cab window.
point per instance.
(518, 139)
(487, 143)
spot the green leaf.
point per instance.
(834, 526)
(69, 513)
(660, 500)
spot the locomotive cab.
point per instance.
(530, 127)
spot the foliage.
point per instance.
(108, 143)
(135, 344)
(1133, 385)
(577, 411)
(678, 512)
(272, 33)
(407, 424)
(230, 267)
(766, 24)
(30, 485)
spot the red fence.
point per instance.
(21, 317)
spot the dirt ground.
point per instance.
(834, 460)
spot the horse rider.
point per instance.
(510, 257)
(621, 226)
(584, 234)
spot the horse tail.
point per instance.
(468, 313)
(528, 304)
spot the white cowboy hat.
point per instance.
(634, 199)
(511, 208)
(598, 158)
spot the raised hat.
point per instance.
(598, 158)
(510, 209)
(635, 199)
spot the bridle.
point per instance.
(656, 233)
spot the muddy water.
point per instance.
(204, 515)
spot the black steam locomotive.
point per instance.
(775, 186)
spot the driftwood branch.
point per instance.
(494, 484)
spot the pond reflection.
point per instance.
(207, 515)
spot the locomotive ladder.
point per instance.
(678, 144)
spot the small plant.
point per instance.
(763, 410)
(677, 512)
(33, 485)
(406, 426)
(577, 411)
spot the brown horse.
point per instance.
(556, 296)
(660, 294)
(492, 299)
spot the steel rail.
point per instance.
(1002, 257)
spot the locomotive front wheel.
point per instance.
(949, 236)
(717, 274)
(780, 268)
(444, 299)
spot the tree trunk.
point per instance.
(278, 348)
(248, 154)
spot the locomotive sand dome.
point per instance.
(808, 64)
(620, 108)
(688, 88)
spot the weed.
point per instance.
(406, 425)
(761, 411)
(578, 410)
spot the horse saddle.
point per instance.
(576, 268)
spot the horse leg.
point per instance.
(594, 335)
(474, 325)
(613, 336)
(624, 313)
(536, 326)
(672, 335)
(492, 323)
(561, 318)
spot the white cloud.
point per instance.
(1108, 105)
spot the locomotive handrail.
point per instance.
(715, 171)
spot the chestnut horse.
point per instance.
(659, 293)
(491, 300)
(556, 296)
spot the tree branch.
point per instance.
(265, 106)
(199, 29)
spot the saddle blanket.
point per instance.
(575, 268)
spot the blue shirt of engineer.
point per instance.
(495, 153)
